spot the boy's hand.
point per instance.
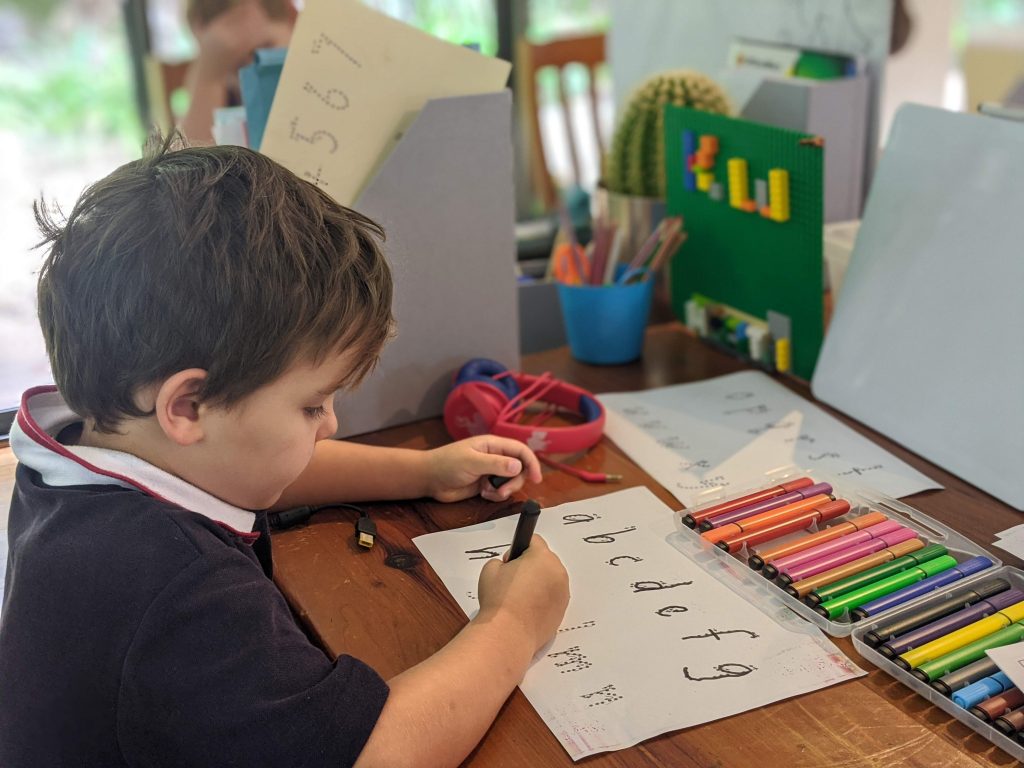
(462, 469)
(530, 593)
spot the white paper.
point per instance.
(650, 642)
(351, 82)
(732, 431)
(1011, 540)
(1010, 659)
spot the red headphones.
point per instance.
(488, 398)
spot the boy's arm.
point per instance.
(343, 471)
(438, 710)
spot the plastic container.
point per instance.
(862, 500)
(1004, 742)
(605, 323)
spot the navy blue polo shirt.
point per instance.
(140, 626)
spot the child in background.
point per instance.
(200, 308)
(227, 34)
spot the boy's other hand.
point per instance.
(530, 593)
(462, 469)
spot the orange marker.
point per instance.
(692, 519)
(765, 519)
(763, 556)
(804, 587)
(826, 511)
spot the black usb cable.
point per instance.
(366, 529)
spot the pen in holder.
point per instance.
(605, 323)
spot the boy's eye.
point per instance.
(317, 412)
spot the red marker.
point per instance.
(692, 519)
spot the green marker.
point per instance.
(837, 606)
(961, 657)
(850, 583)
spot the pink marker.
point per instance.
(857, 551)
(813, 553)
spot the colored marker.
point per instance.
(836, 545)
(821, 564)
(936, 668)
(776, 502)
(912, 619)
(1011, 722)
(765, 519)
(528, 517)
(805, 587)
(958, 638)
(957, 572)
(950, 623)
(986, 688)
(497, 481)
(964, 676)
(999, 705)
(839, 605)
(827, 511)
(692, 519)
(918, 554)
(765, 555)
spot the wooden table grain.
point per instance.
(387, 607)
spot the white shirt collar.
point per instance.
(43, 414)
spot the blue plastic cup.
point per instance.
(605, 323)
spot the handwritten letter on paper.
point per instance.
(351, 81)
(729, 432)
(651, 642)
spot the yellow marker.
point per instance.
(738, 182)
(704, 181)
(963, 636)
(783, 355)
(778, 194)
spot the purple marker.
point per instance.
(766, 505)
(857, 551)
(771, 570)
(923, 587)
(950, 623)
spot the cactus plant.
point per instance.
(636, 162)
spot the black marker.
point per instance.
(497, 481)
(524, 528)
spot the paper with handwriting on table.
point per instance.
(1010, 659)
(729, 432)
(651, 642)
(352, 81)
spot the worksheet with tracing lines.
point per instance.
(652, 642)
(720, 435)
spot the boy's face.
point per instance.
(257, 448)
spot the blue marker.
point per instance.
(900, 596)
(986, 688)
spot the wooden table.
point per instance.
(387, 607)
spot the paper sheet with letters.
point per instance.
(651, 642)
(353, 79)
(730, 432)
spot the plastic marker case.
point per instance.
(733, 570)
(862, 500)
(1001, 740)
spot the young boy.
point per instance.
(200, 308)
(227, 32)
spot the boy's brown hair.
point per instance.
(215, 258)
(201, 12)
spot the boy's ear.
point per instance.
(177, 406)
